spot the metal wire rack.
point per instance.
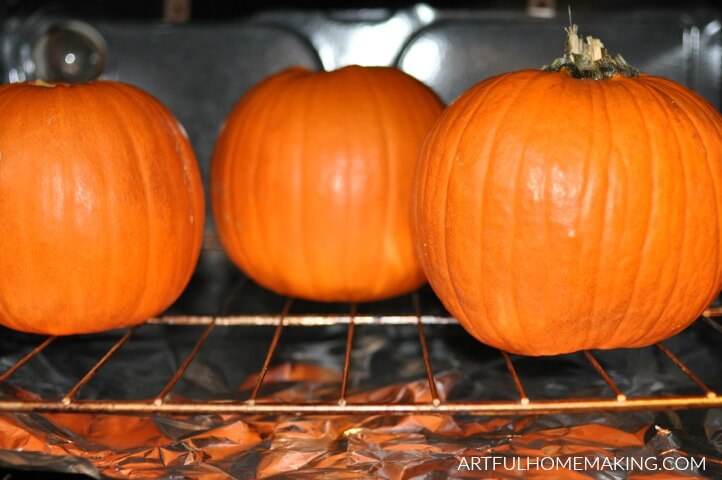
(161, 403)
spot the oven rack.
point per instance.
(523, 405)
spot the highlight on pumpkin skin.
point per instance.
(43, 83)
(541, 242)
(311, 180)
(103, 211)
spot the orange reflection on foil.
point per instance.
(327, 446)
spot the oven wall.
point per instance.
(199, 69)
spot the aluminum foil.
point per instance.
(386, 365)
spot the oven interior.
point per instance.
(229, 347)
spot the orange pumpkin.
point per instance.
(311, 182)
(573, 208)
(101, 207)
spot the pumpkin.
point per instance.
(311, 182)
(101, 207)
(573, 208)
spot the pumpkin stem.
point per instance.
(588, 59)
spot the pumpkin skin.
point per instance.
(101, 207)
(311, 182)
(555, 214)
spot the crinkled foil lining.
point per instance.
(386, 366)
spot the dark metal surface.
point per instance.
(453, 53)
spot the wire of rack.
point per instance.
(160, 403)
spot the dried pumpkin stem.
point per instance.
(588, 59)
